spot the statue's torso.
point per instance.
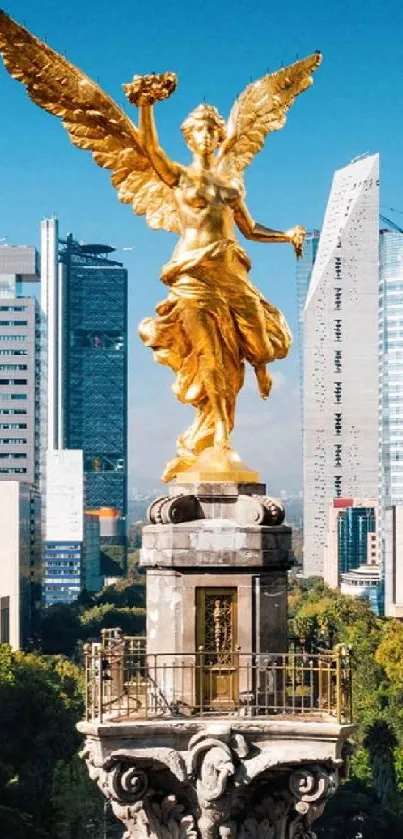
(204, 203)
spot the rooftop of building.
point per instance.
(92, 254)
(364, 573)
(21, 261)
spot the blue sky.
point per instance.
(354, 106)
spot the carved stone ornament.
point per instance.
(221, 788)
(174, 510)
(248, 509)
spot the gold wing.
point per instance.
(262, 107)
(92, 120)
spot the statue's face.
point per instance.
(205, 137)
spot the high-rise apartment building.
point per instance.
(19, 366)
(340, 425)
(391, 415)
(20, 570)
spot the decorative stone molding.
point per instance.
(223, 787)
(246, 509)
(180, 508)
(259, 509)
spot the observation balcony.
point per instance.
(126, 684)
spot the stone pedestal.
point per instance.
(213, 536)
(228, 737)
(236, 740)
(237, 779)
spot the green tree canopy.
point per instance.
(40, 703)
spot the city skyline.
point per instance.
(283, 194)
(200, 659)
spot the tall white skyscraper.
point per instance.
(340, 418)
(391, 415)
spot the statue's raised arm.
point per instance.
(92, 119)
(145, 91)
(213, 320)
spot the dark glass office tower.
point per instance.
(354, 525)
(94, 369)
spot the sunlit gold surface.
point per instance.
(214, 464)
(213, 319)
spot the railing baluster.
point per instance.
(101, 681)
(338, 686)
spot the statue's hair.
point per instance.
(200, 114)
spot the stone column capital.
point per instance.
(224, 786)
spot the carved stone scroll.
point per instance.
(174, 510)
(248, 509)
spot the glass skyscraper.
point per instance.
(94, 416)
(354, 524)
(304, 273)
(84, 399)
(391, 414)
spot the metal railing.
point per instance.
(123, 682)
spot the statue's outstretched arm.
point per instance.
(258, 233)
(166, 169)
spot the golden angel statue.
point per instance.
(213, 319)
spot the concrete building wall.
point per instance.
(64, 526)
(19, 365)
(393, 556)
(15, 559)
(19, 389)
(64, 496)
(340, 426)
(19, 385)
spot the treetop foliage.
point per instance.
(370, 804)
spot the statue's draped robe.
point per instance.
(245, 327)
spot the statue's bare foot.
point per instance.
(264, 380)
